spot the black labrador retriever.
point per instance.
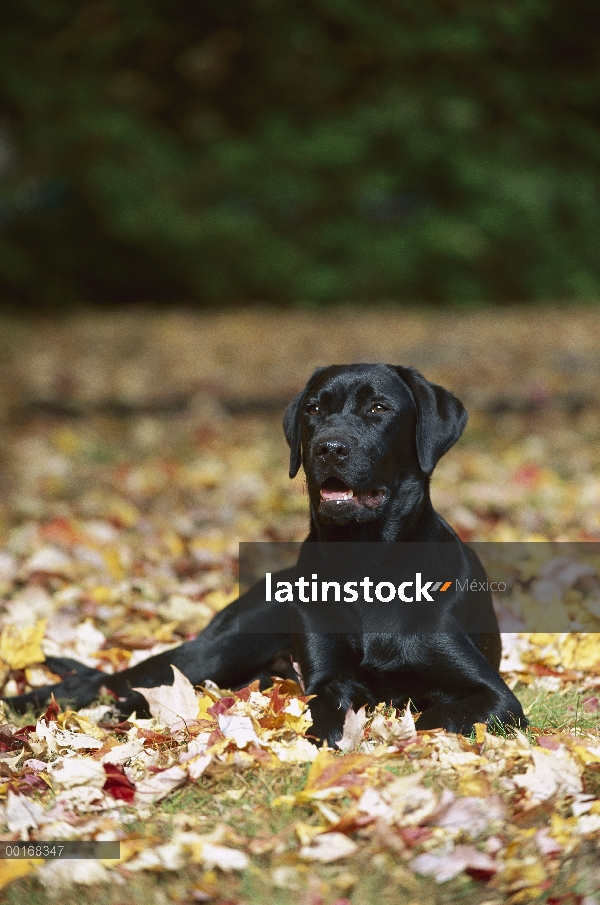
(369, 437)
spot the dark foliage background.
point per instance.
(315, 151)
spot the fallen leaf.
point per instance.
(20, 647)
(120, 754)
(172, 704)
(157, 785)
(50, 561)
(238, 728)
(58, 875)
(22, 814)
(58, 739)
(443, 867)
(354, 723)
(12, 870)
(117, 784)
(78, 771)
(551, 774)
(329, 847)
(224, 858)
(472, 815)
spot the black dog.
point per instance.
(369, 437)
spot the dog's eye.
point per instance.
(377, 408)
(312, 409)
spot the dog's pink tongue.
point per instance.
(333, 494)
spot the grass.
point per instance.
(560, 710)
(375, 875)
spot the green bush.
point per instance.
(314, 151)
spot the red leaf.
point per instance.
(30, 783)
(548, 741)
(8, 741)
(119, 729)
(151, 737)
(22, 734)
(413, 835)
(52, 711)
(117, 784)
(221, 706)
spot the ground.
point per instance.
(137, 450)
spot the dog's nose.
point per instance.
(333, 450)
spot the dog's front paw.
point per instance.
(328, 723)
(460, 716)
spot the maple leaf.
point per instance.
(20, 647)
(117, 784)
(552, 773)
(176, 704)
(354, 723)
(238, 728)
(157, 785)
(78, 771)
(391, 730)
(22, 814)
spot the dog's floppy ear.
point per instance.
(291, 426)
(441, 417)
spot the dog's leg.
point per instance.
(472, 690)
(329, 708)
(330, 670)
(222, 653)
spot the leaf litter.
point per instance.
(120, 541)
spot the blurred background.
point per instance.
(202, 202)
(331, 150)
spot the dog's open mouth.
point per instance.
(335, 491)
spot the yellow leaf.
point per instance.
(21, 647)
(76, 723)
(527, 895)
(328, 768)
(114, 564)
(102, 594)
(124, 512)
(480, 733)
(11, 870)
(542, 638)
(128, 849)
(165, 632)
(580, 651)
(218, 600)
(118, 657)
(472, 783)
(298, 724)
(561, 829)
(586, 756)
(203, 704)
(306, 833)
(523, 873)
(174, 544)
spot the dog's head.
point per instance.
(363, 431)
